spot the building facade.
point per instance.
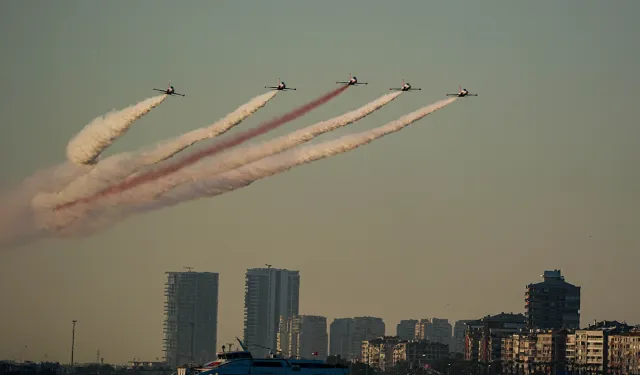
(378, 352)
(531, 352)
(340, 332)
(385, 353)
(590, 347)
(365, 328)
(347, 335)
(552, 303)
(624, 353)
(415, 353)
(434, 330)
(457, 343)
(191, 317)
(406, 329)
(303, 337)
(270, 294)
(483, 337)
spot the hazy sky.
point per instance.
(463, 208)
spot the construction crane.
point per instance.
(188, 268)
(268, 265)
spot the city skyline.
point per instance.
(357, 328)
(449, 218)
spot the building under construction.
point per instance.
(191, 317)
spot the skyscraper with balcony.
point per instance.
(552, 303)
(191, 317)
(270, 294)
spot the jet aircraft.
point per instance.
(170, 90)
(280, 87)
(405, 87)
(353, 81)
(462, 93)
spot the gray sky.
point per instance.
(464, 208)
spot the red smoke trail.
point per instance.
(231, 142)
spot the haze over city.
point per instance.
(448, 218)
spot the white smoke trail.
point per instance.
(120, 166)
(169, 148)
(84, 220)
(237, 158)
(95, 137)
(245, 175)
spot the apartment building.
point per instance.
(384, 353)
(589, 348)
(434, 329)
(378, 352)
(303, 337)
(552, 303)
(624, 353)
(483, 337)
(457, 342)
(530, 351)
(347, 335)
(340, 332)
(191, 317)
(270, 294)
(405, 330)
(417, 352)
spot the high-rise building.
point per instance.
(365, 328)
(340, 337)
(270, 294)
(191, 317)
(434, 330)
(304, 337)
(459, 329)
(347, 335)
(405, 330)
(552, 303)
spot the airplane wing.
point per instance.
(160, 90)
(290, 88)
(270, 87)
(362, 83)
(451, 94)
(411, 89)
(342, 82)
(175, 93)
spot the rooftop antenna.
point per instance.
(188, 268)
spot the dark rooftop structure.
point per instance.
(552, 303)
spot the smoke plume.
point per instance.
(252, 133)
(116, 168)
(91, 141)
